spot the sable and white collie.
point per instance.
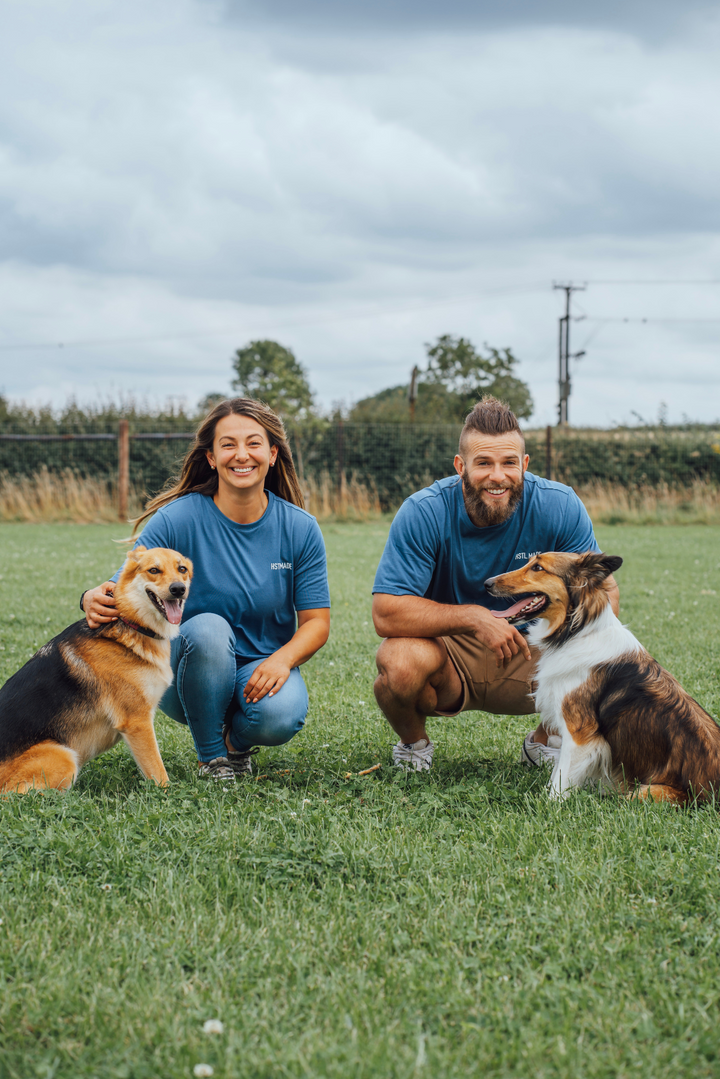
(624, 722)
(87, 688)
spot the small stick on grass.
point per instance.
(365, 772)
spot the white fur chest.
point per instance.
(562, 670)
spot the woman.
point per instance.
(259, 563)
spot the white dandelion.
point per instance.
(213, 1026)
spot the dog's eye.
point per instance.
(537, 568)
(154, 569)
(182, 569)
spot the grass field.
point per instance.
(445, 925)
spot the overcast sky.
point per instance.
(354, 180)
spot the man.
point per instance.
(444, 651)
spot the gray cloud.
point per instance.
(177, 171)
(648, 19)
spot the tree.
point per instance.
(454, 364)
(456, 377)
(270, 372)
(208, 402)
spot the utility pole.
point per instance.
(564, 354)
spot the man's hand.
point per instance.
(499, 636)
(99, 605)
(270, 676)
(414, 616)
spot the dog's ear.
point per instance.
(611, 562)
(593, 568)
(136, 552)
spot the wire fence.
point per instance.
(399, 459)
(389, 460)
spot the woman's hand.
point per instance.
(268, 678)
(99, 605)
(272, 674)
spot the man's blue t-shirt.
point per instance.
(435, 551)
(255, 576)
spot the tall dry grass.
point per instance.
(348, 500)
(65, 496)
(696, 503)
(59, 496)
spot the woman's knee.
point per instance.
(208, 633)
(273, 721)
(202, 657)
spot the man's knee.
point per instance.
(406, 664)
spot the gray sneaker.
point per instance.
(241, 763)
(218, 769)
(534, 754)
(417, 755)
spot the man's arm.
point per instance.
(613, 595)
(414, 616)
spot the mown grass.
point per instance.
(445, 925)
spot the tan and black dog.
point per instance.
(624, 721)
(88, 688)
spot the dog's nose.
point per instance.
(490, 582)
(177, 590)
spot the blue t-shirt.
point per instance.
(435, 551)
(256, 576)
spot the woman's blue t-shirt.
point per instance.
(256, 576)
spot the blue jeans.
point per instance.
(207, 691)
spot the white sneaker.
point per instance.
(535, 754)
(417, 755)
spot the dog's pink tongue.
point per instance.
(512, 610)
(173, 610)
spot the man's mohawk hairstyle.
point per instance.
(490, 417)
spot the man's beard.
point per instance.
(482, 514)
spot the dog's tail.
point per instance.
(44, 766)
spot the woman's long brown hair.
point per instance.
(196, 475)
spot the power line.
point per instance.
(594, 318)
(659, 281)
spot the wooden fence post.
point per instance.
(548, 452)
(123, 469)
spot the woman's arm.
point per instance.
(99, 605)
(272, 674)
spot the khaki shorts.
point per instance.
(502, 691)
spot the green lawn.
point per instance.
(446, 925)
